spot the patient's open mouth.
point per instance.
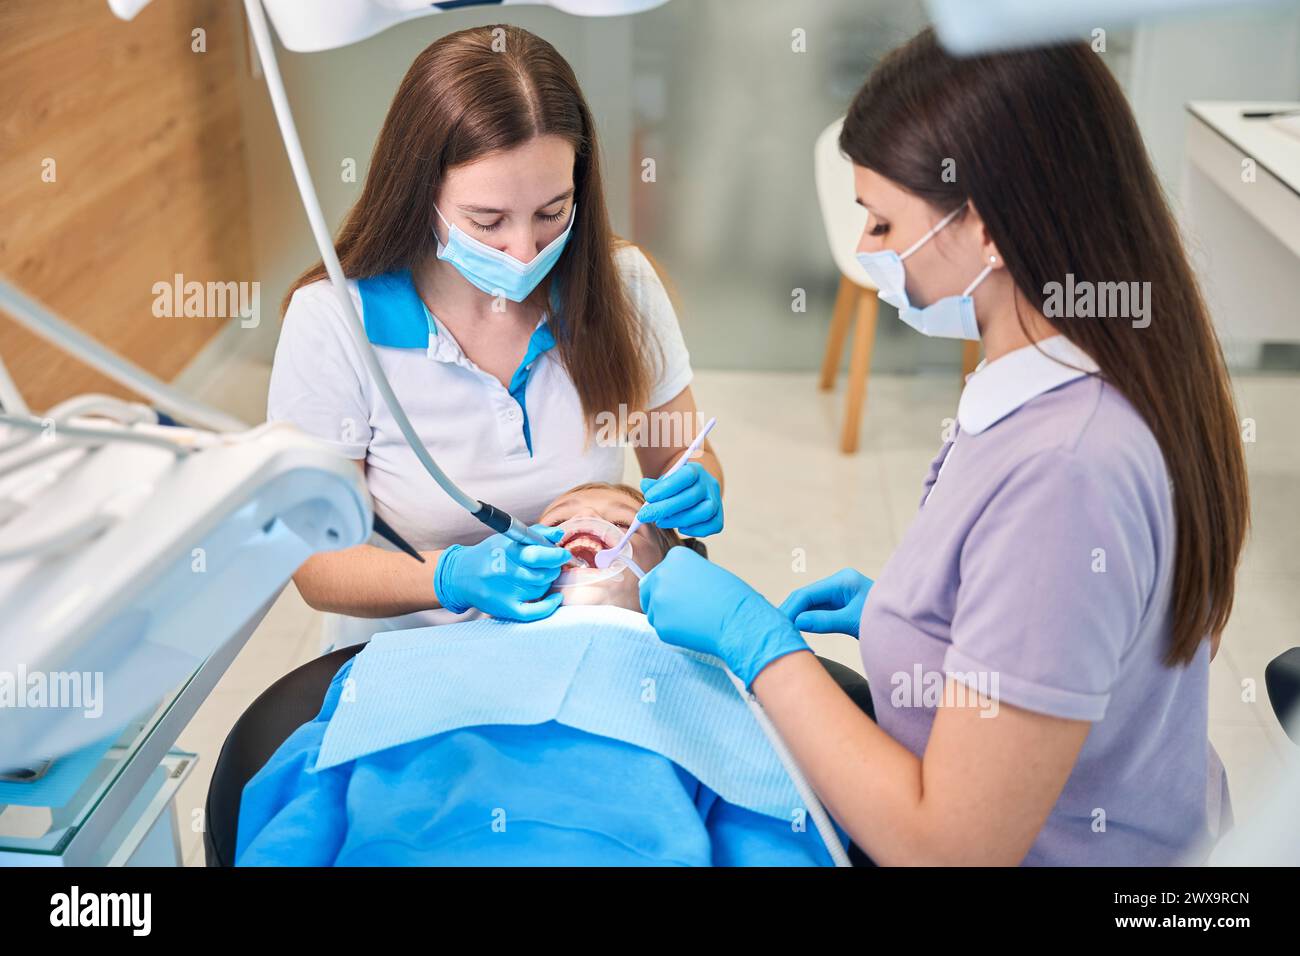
(583, 545)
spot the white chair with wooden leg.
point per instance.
(855, 305)
(856, 302)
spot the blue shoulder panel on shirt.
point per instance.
(393, 312)
(542, 341)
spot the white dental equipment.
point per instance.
(303, 29)
(132, 552)
(968, 28)
(606, 556)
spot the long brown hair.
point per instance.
(468, 94)
(1046, 149)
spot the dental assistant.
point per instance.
(507, 317)
(1038, 646)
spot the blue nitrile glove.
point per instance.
(690, 500)
(502, 577)
(830, 606)
(696, 604)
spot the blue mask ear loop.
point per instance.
(438, 213)
(980, 278)
(471, 240)
(930, 235)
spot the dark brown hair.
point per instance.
(469, 94)
(1046, 149)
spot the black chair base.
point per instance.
(279, 710)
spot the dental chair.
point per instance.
(296, 698)
(1282, 681)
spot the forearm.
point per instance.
(870, 783)
(367, 581)
(711, 464)
(655, 461)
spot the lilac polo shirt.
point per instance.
(1039, 572)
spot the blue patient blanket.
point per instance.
(579, 740)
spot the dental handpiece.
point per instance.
(502, 522)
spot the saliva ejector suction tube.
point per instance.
(584, 536)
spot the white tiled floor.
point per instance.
(789, 488)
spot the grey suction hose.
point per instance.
(494, 518)
(821, 819)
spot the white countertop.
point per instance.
(1273, 149)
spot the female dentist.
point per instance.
(510, 323)
(1038, 646)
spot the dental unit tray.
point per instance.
(167, 555)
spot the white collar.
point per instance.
(996, 389)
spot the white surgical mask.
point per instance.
(496, 272)
(952, 317)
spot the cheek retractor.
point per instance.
(606, 557)
(586, 536)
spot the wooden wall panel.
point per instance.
(150, 178)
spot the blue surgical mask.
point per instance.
(952, 317)
(496, 272)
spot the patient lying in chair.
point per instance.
(580, 739)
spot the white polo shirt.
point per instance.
(516, 448)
